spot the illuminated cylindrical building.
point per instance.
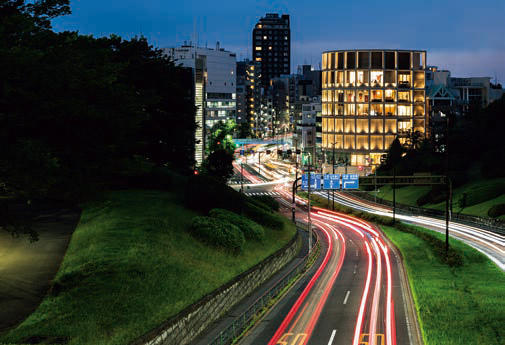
(370, 97)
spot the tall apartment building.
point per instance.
(369, 97)
(248, 94)
(271, 42)
(220, 87)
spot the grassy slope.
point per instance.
(131, 265)
(465, 305)
(481, 196)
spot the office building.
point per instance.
(271, 46)
(220, 87)
(369, 97)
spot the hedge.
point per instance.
(267, 200)
(218, 232)
(263, 217)
(496, 211)
(250, 229)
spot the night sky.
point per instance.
(464, 36)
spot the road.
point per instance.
(354, 295)
(488, 243)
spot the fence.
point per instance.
(240, 324)
(494, 225)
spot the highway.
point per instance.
(355, 293)
(490, 244)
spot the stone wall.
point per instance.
(190, 322)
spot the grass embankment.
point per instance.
(481, 195)
(455, 305)
(130, 265)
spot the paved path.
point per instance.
(26, 269)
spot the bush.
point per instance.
(436, 195)
(267, 200)
(250, 229)
(218, 232)
(263, 217)
(496, 211)
(203, 193)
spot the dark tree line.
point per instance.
(76, 111)
(475, 147)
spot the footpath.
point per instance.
(27, 268)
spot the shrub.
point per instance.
(203, 193)
(218, 232)
(496, 211)
(250, 229)
(263, 217)
(267, 200)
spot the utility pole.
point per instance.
(394, 195)
(333, 170)
(241, 176)
(259, 162)
(309, 220)
(448, 199)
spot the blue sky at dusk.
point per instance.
(465, 36)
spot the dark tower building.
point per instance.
(271, 46)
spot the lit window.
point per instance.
(258, 48)
(265, 37)
(270, 48)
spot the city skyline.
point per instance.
(461, 36)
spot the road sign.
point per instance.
(242, 152)
(331, 181)
(350, 181)
(315, 181)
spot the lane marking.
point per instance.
(357, 253)
(346, 296)
(332, 336)
(355, 267)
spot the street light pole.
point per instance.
(333, 170)
(394, 195)
(448, 199)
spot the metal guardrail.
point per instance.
(494, 225)
(240, 324)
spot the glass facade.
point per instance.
(369, 98)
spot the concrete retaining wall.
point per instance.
(190, 322)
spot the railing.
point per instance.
(494, 225)
(243, 321)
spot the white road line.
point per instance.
(355, 266)
(357, 253)
(332, 336)
(346, 297)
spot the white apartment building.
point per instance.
(221, 79)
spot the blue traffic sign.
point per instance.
(331, 181)
(315, 181)
(350, 181)
(242, 152)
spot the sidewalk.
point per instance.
(26, 269)
(215, 328)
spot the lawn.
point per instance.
(130, 265)
(463, 305)
(481, 195)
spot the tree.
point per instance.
(219, 165)
(393, 157)
(221, 136)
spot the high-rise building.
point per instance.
(369, 98)
(220, 87)
(271, 42)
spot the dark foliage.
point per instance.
(496, 211)
(75, 111)
(218, 232)
(251, 230)
(267, 200)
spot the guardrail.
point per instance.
(494, 225)
(242, 322)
